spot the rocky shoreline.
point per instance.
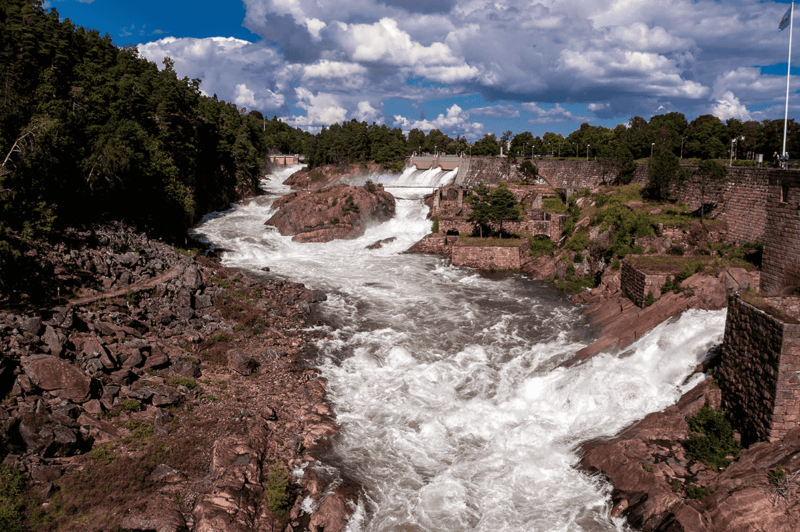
(170, 393)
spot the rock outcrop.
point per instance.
(335, 213)
(164, 393)
(648, 467)
(329, 175)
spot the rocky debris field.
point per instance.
(169, 394)
(340, 212)
(659, 485)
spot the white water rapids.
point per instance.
(454, 413)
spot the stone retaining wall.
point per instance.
(759, 374)
(781, 269)
(491, 257)
(636, 284)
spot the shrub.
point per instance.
(435, 228)
(638, 250)
(238, 328)
(221, 283)
(570, 270)
(132, 405)
(541, 245)
(221, 338)
(671, 285)
(335, 221)
(776, 475)
(675, 250)
(648, 467)
(276, 490)
(696, 492)
(615, 264)
(577, 242)
(649, 300)
(12, 507)
(578, 258)
(716, 441)
(183, 381)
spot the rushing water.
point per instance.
(455, 415)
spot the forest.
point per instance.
(91, 132)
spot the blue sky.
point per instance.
(467, 67)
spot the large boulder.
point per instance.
(58, 377)
(329, 214)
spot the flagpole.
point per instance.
(788, 72)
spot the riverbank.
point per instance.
(164, 391)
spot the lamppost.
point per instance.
(684, 138)
(652, 145)
(587, 152)
(435, 147)
(731, 161)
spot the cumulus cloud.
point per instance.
(456, 120)
(729, 106)
(343, 58)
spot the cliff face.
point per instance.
(336, 213)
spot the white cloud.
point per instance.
(244, 96)
(617, 57)
(730, 107)
(367, 113)
(497, 111)
(456, 119)
(553, 114)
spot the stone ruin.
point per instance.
(759, 374)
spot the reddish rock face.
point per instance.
(58, 377)
(337, 213)
(648, 467)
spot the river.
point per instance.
(454, 413)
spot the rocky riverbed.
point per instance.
(168, 393)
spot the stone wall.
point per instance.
(759, 372)
(552, 226)
(491, 257)
(636, 284)
(781, 268)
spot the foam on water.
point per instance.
(454, 412)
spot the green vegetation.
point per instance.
(221, 338)
(671, 285)
(615, 264)
(541, 245)
(647, 467)
(649, 300)
(577, 242)
(276, 490)
(696, 492)
(132, 405)
(183, 381)
(777, 474)
(221, 283)
(12, 505)
(554, 204)
(495, 206)
(715, 441)
(435, 228)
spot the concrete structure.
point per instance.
(759, 374)
(284, 160)
(781, 265)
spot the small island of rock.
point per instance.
(341, 212)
